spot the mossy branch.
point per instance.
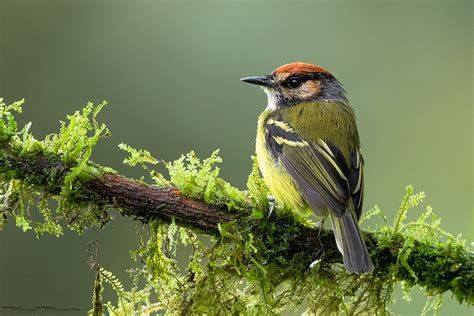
(273, 254)
(130, 197)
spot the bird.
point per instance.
(308, 152)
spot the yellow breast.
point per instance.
(277, 179)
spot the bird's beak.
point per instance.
(258, 80)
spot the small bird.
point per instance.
(308, 151)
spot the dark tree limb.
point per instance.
(148, 202)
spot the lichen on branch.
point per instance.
(256, 263)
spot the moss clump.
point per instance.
(70, 151)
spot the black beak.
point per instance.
(258, 80)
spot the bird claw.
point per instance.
(320, 224)
(314, 263)
(271, 204)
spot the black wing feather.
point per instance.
(356, 184)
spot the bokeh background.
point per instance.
(170, 71)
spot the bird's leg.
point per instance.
(271, 204)
(320, 225)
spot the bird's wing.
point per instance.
(318, 168)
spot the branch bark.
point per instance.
(146, 202)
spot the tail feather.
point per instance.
(351, 244)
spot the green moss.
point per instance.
(71, 147)
(254, 267)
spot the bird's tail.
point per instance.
(350, 242)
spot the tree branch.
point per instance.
(133, 198)
(146, 202)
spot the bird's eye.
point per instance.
(294, 82)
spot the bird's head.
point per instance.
(299, 82)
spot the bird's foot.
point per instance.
(271, 204)
(316, 225)
(320, 224)
(317, 261)
(314, 263)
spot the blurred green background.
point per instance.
(170, 71)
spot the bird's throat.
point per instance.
(272, 99)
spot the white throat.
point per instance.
(271, 97)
